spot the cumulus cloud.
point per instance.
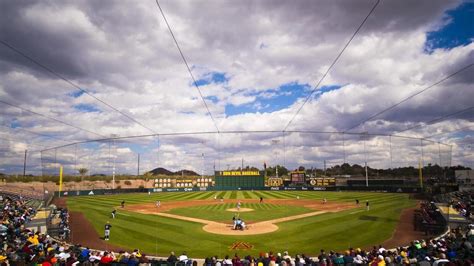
(122, 53)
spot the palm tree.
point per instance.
(82, 172)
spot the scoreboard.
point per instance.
(322, 181)
(298, 177)
(240, 179)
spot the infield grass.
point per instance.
(219, 213)
(159, 235)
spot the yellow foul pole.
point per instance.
(60, 179)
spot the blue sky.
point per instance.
(212, 77)
(277, 99)
(86, 108)
(459, 29)
(270, 100)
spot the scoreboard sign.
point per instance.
(240, 179)
(238, 173)
(322, 182)
(298, 177)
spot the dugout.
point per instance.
(239, 179)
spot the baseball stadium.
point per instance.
(245, 133)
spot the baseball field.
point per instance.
(200, 222)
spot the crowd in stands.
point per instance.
(14, 238)
(63, 225)
(429, 219)
(462, 202)
(455, 248)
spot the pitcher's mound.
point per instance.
(241, 210)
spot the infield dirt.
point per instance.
(257, 228)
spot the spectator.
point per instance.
(227, 261)
(172, 258)
(183, 257)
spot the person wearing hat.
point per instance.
(417, 244)
(348, 259)
(279, 258)
(172, 258)
(137, 253)
(107, 230)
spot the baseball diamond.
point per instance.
(289, 220)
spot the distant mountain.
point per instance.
(185, 172)
(163, 171)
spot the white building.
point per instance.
(465, 179)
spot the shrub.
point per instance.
(141, 187)
(127, 182)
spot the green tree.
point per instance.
(82, 172)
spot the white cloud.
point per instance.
(125, 56)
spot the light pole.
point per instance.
(202, 169)
(364, 137)
(275, 142)
(113, 165)
(138, 165)
(203, 159)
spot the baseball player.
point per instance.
(158, 203)
(367, 205)
(123, 204)
(238, 206)
(107, 230)
(325, 200)
(113, 213)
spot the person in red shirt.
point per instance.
(107, 258)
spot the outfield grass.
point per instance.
(332, 231)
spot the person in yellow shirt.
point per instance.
(378, 261)
(33, 239)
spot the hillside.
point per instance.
(164, 171)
